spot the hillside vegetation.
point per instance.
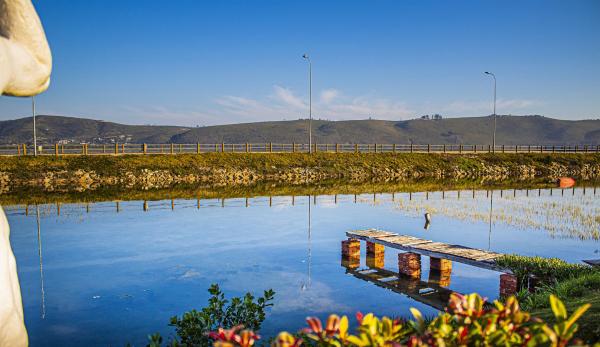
(523, 130)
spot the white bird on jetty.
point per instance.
(427, 220)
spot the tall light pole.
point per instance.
(34, 134)
(307, 58)
(494, 133)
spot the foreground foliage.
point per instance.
(193, 327)
(466, 322)
(574, 284)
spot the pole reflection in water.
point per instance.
(39, 238)
(490, 228)
(306, 285)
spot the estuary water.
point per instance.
(109, 273)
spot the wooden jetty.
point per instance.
(457, 253)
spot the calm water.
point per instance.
(108, 277)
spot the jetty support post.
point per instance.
(351, 253)
(409, 264)
(508, 284)
(375, 255)
(440, 271)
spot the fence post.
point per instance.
(375, 148)
(270, 147)
(24, 149)
(246, 147)
(56, 149)
(356, 148)
(116, 148)
(123, 148)
(293, 147)
(428, 148)
(145, 148)
(460, 148)
(489, 148)
(552, 148)
(222, 147)
(502, 148)
(337, 147)
(83, 148)
(197, 147)
(394, 148)
(172, 148)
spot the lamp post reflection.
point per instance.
(490, 227)
(39, 239)
(305, 286)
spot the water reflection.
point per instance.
(306, 285)
(407, 280)
(136, 263)
(39, 239)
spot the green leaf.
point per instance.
(560, 312)
(577, 314)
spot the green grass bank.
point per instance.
(574, 284)
(162, 171)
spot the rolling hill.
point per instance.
(473, 130)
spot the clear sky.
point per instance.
(193, 62)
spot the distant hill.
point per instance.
(52, 129)
(473, 130)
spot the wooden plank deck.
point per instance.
(461, 254)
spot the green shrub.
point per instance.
(193, 327)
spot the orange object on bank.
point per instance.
(566, 182)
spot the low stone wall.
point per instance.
(146, 175)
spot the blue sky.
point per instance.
(200, 63)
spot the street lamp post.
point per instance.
(494, 133)
(34, 134)
(307, 58)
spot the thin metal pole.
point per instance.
(310, 104)
(494, 115)
(34, 134)
(305, 56)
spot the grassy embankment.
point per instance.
(574, 284)
(421, 172)
(30, 167)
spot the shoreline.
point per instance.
(20, 175)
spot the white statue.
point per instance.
(25, 66)
(12, 325)
(25, 59)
